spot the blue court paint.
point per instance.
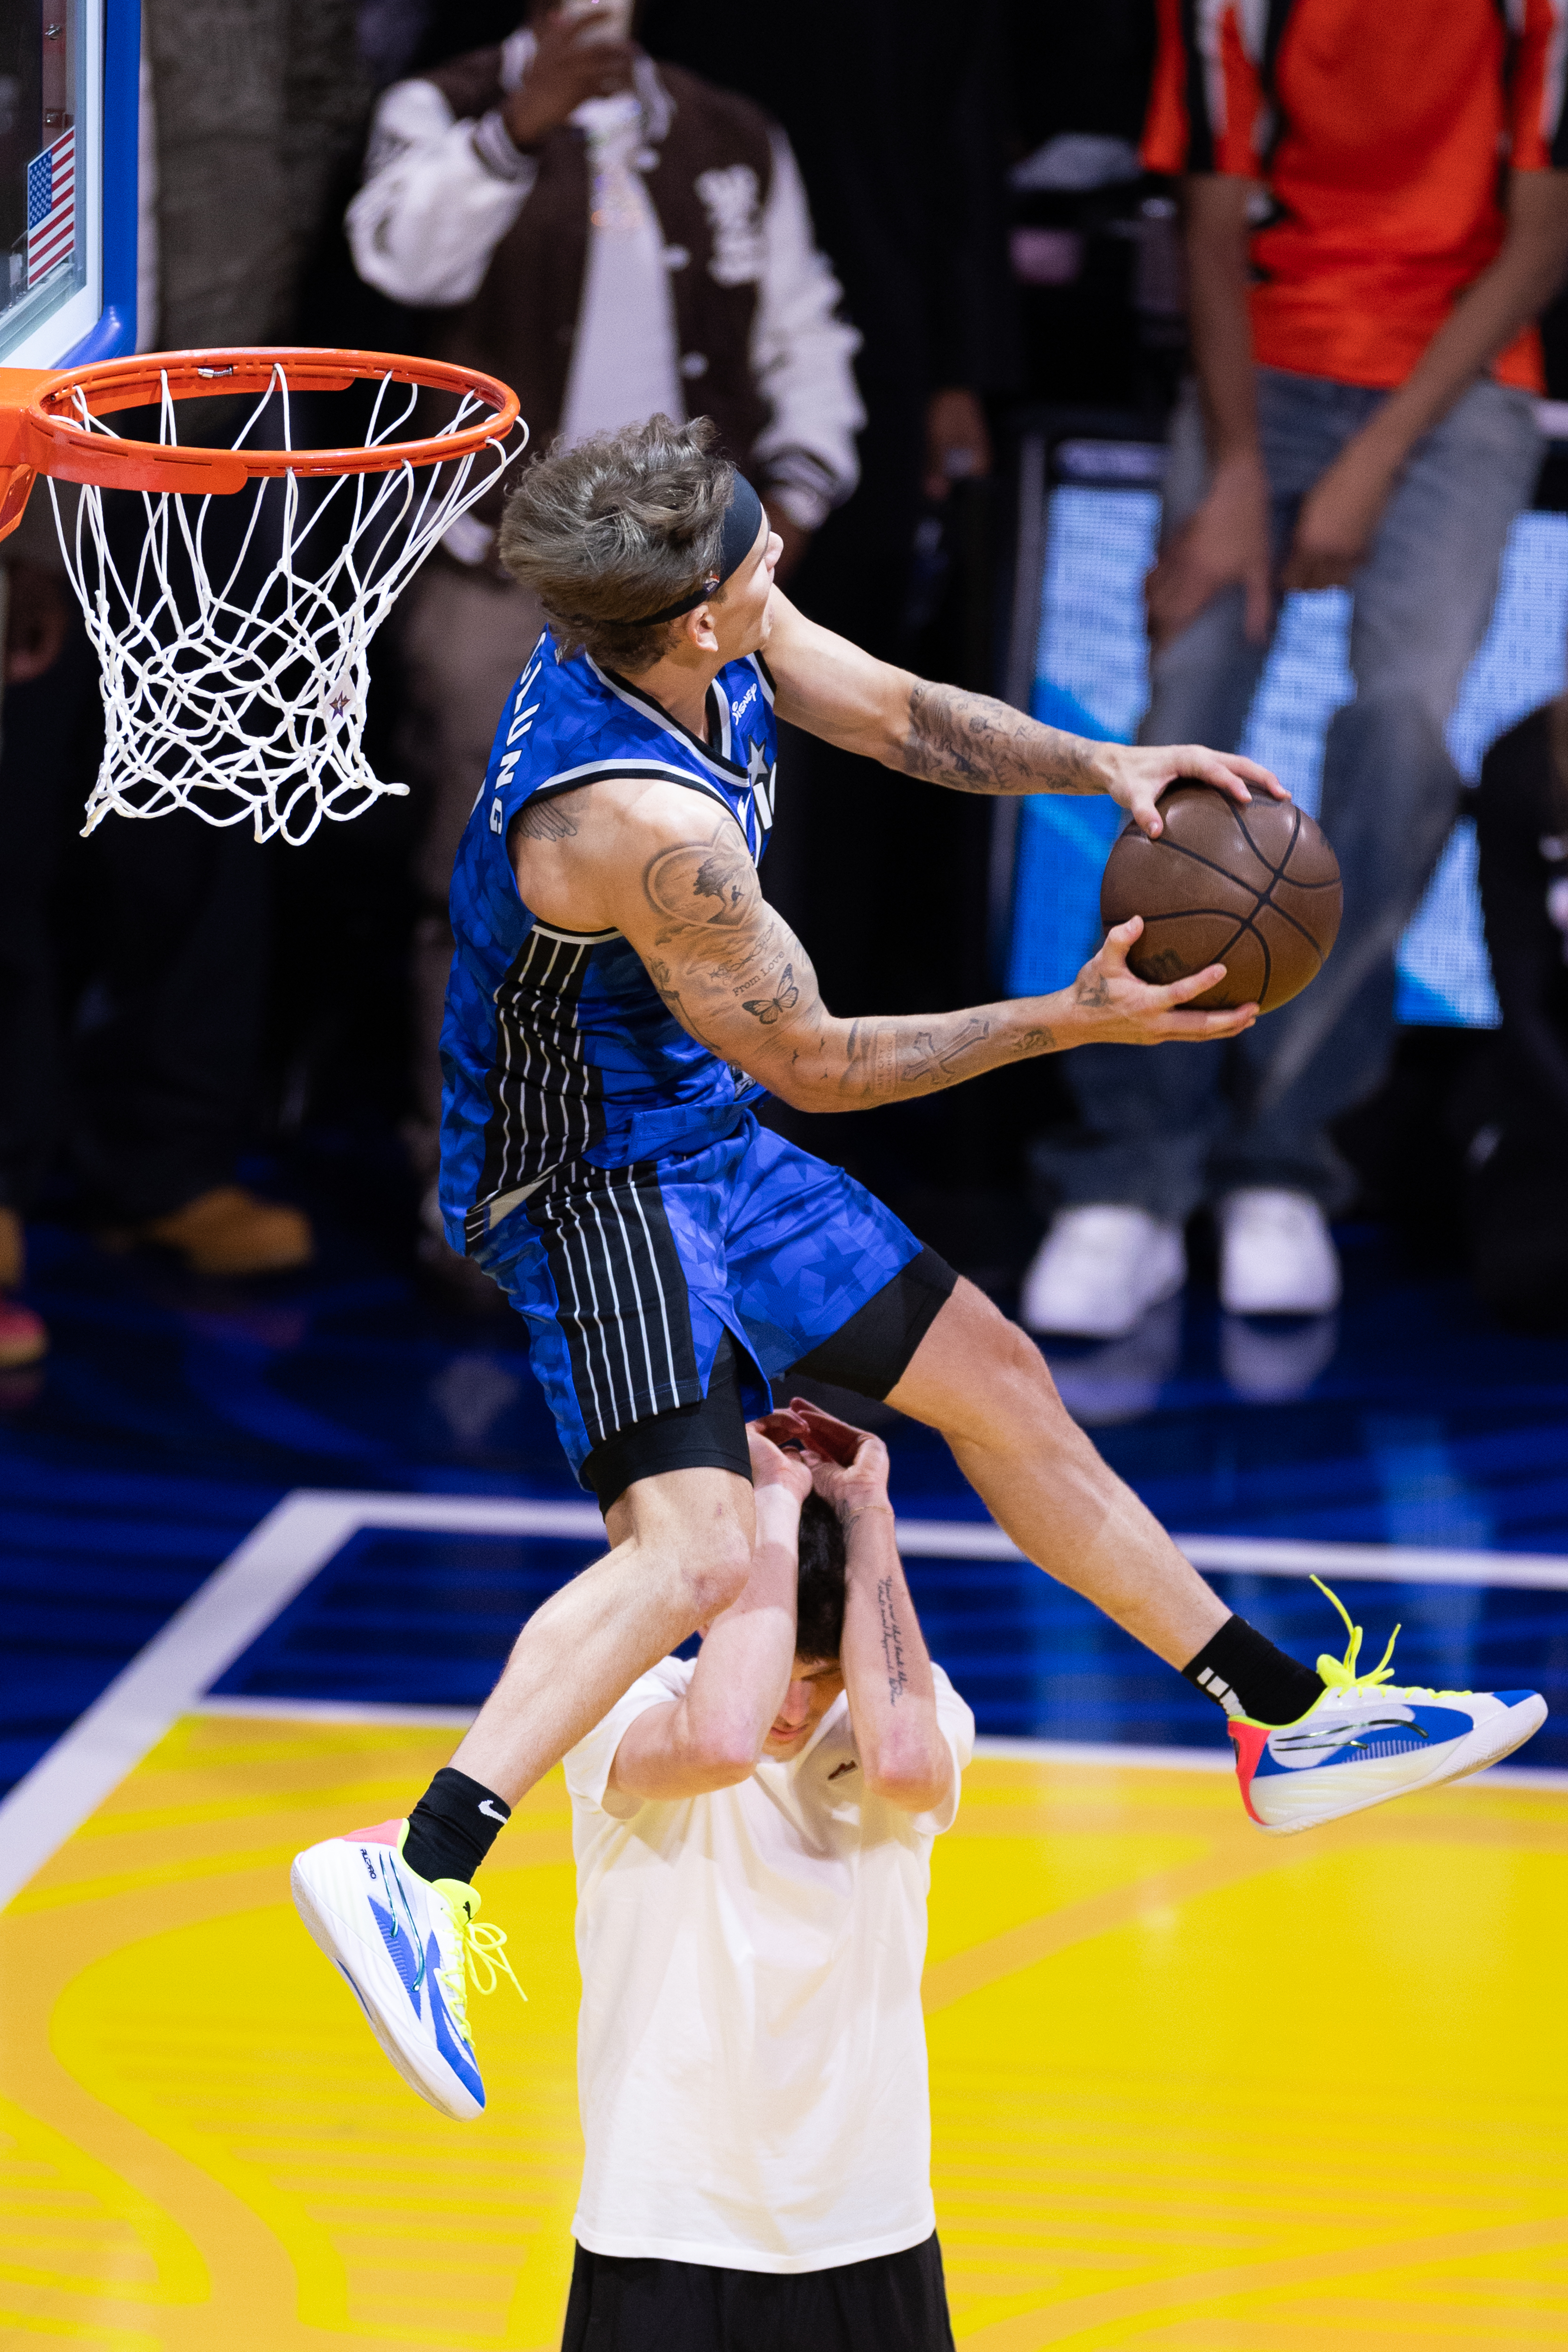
(173, 1413)
(421, 1620)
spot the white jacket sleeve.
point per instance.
(438, 196)
(801, 352)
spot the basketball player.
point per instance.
(621, 997)
(754, 1836)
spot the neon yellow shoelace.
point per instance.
(1339, 1674)
(479, 1959)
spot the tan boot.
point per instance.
(232, 1231)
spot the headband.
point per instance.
(742, 517)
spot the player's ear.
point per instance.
(701, 629)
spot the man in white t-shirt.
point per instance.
(753, 1835)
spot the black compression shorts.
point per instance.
(870, 1354)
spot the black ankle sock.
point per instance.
(453, 1827)
(1241, 1670)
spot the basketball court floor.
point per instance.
(262, 1550)
(1191, 2088)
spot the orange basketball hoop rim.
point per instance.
(42, 431)
(232, 632)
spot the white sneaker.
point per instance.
(1368, 1738)
(409, 1949)
(1277, 1256)
(1099, 1269)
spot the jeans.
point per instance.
(1165, 1129)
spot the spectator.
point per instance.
(1516, 1129)
(896, 111)
(603, 234)
(753, 1838)
(1363, 286)
(250, 112)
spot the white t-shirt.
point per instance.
(751, 2051)
(624, 356)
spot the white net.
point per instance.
(233, 632)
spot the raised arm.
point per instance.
(712, 1737)
(440, 193)
(736, 975)
(886, 1666)
(972, 742)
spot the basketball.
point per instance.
(1253, 886)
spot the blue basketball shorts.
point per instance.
(646, 1287)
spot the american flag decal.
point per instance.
(51, 207)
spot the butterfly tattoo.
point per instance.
(767, 1009)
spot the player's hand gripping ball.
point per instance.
(1253, 886)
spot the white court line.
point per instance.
(1026, 1751)
(339, 1710)
(1264, 1556)
(235, 1605)
(173, 1674)
(217, 1624)
(1397, 1563)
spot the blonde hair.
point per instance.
(619, 526)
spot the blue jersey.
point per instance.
(556, 1046)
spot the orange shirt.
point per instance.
(1377, 127)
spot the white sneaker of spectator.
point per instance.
(1100, 1269)
(1277, 1256)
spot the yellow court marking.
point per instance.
(1193, 2088)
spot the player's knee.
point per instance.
(1024, 1374)
(1002, 1390)
(1006, 1349)
(712, 1568)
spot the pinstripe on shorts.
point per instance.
(628, 1278)
(624, 1307)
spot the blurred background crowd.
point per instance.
(1000, 307)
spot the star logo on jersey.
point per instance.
(759, 775)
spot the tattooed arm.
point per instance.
(734, 974)
(972, 742)
(886, 1666)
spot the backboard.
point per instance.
(69, 96)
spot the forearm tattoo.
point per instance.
(977, 744)
(719, 953)
(892, 1641)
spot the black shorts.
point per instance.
(870, 1354)
(894, 2303)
